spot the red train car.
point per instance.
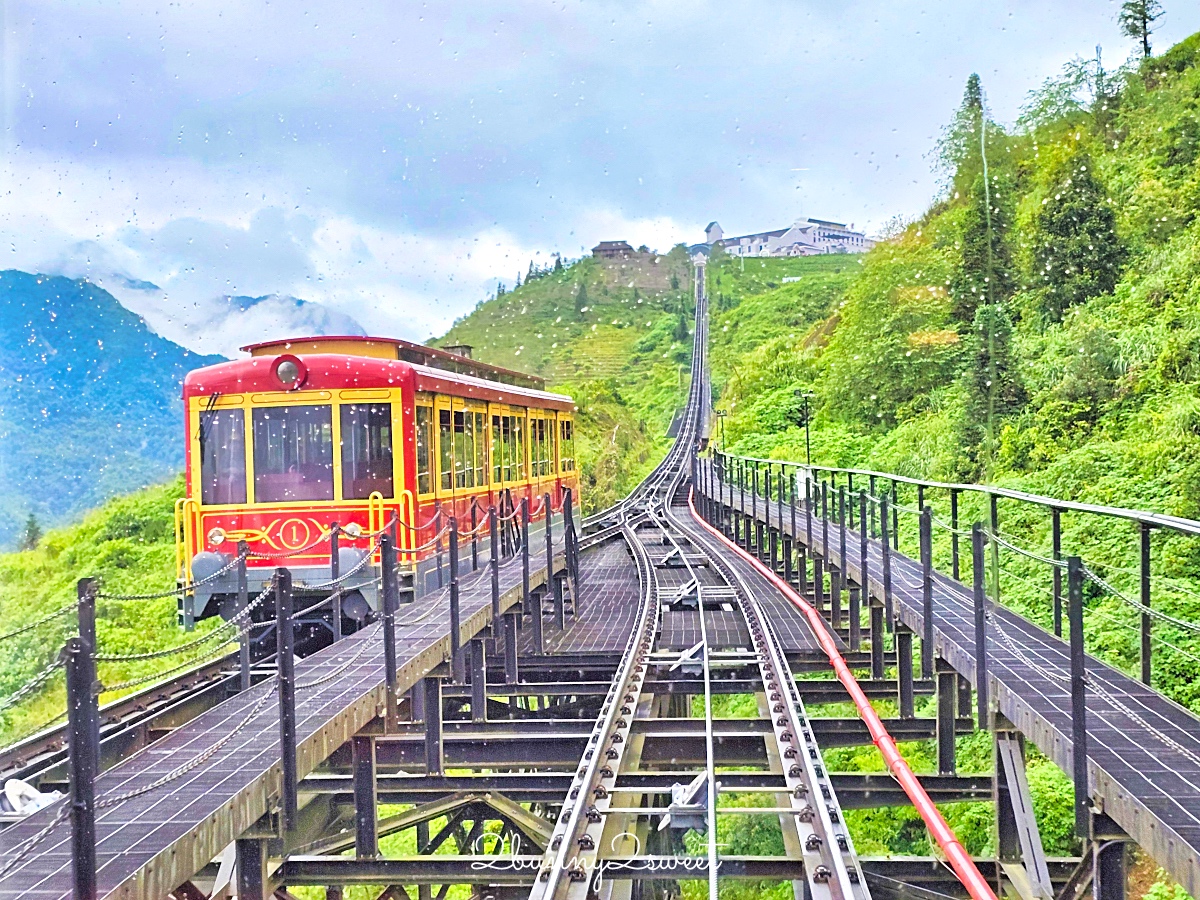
(306, 433)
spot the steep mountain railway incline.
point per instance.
(614, 713)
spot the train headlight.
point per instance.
(216, 536)
(290, 372)
(353, 530)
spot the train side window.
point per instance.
(222, 456)
(424, 444)
(464, 446)
(541, 468)
(366, 450)
(445, 450)
(519, 448)
(566, 447)
(497, 450)
(293, 453)
(481, 449)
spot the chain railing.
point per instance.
(81, 655)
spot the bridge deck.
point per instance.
(1143, 749)
(220, 773)
(608, 606)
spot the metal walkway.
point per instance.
(166, 812)
(1143, 749)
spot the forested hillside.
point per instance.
(91, 400)
(615, 335)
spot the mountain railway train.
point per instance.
(366, 434)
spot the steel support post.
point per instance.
(526, 598)
(560, 603)
(947, 694)
(885, 547)
(754, 492)
(440, 556)
(84, 762)
(871, 490)
(760, 545)
(387, 558)
(511, 673)
(366, 814)
(474, 535)
(1145, 597)
(895, 519)
(535, 619)
(864, 578)
(808, 513)
(433, 725)
(243, 590)
(1079, 748)
(779, 501)
(252, 880)
(571, 542)
(926, 592)
(994, 546)
(549, 539)
(773, 543)
(819, 582)
(478, 681)
(335, 572)
(794, 538)
(1056, 553)
(843, 568)
(457, 665)
(979, 596)
(498, 622)
(1018, 838)
(954, 556)
(285, 656)
(904, 671)
(877, 671)
(85, 592)
(1110, 878)
(825, 554)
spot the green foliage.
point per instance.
(984, 271)
(31, 535)
(91, 403)
(1076, 252)
(1089, 365)
(129, 545)
(613, 334)
(1135, 19)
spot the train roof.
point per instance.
(338, 371)
(395, 348)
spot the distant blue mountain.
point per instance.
(89, 400)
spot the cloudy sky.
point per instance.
(394, 160)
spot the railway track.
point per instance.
(686, 579)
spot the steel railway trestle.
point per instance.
(611, 716)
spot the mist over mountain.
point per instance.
(90, 405)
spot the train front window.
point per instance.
(293, 453)
(222, 456)
(366, 450)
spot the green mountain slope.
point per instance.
(90, 405)
(615, 335)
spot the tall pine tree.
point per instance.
(1135, 19)
(984, 271)
(1077, 254)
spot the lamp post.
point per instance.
(806, 413)
(721, 414)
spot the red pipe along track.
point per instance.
(962, 864)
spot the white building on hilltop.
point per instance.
(806, 237)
